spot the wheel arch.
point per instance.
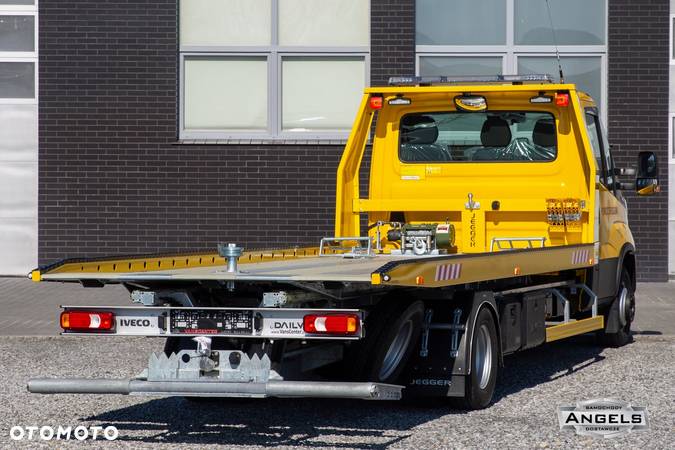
(479, 301)
(627, 260)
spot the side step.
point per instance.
(574, 328)
(569, 327)
(272, 388)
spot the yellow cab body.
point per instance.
(516, 165)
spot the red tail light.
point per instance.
(376, 101)
(562, 99)
(87, 320)
(342, 324)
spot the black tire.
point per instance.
(392, 333)
(623, 336)
(480, 384)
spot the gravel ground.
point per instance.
(524, 414)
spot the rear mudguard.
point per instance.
(439, 373)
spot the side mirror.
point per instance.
(647, 182)
(625, 172)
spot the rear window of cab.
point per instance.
(491, 136)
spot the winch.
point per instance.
(422, 239)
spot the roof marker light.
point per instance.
(376, 101)
(562, 99)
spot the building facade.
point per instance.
(171, 125)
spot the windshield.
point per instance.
(480, 137)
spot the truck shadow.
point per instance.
(322, 422)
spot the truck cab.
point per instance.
(503, 165)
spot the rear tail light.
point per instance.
(339, 324)
(86, 320)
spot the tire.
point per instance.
(392, 332)
(480, 384)
(626, 298)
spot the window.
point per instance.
(17, 33)
(603, 157)
(17, 79)
(508, 136)
(456, 22)
(577, 22)
(460, 65)
(19, 135)
(272, 69)
(467, 37)
(18, 52)
(584, 71)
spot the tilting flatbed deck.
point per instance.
(430, 271)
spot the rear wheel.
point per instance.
(625, 302)
(392, 332)
(480, 384)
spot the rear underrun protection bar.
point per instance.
(273, 388)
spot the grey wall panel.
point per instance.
(18, 133)
(18, 245)
(18, 190)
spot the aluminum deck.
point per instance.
(325, 268)
(306, 266)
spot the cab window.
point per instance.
(478, 137)
(601, 151)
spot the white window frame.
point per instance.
(274, 53)
(17, 56)
(671, 146)
(671, 57)
(510, 52)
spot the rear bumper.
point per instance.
(273, 388)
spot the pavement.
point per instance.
(530, 388)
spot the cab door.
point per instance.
(612, 215)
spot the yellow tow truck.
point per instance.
(494, 222)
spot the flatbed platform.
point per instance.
(305, 265)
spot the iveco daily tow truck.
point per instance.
(495, 223)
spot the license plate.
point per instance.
(211, 322)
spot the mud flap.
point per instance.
(442, 359)
(612, 324)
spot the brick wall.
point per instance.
(638, 117)
(113, 179)
(392, 37)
